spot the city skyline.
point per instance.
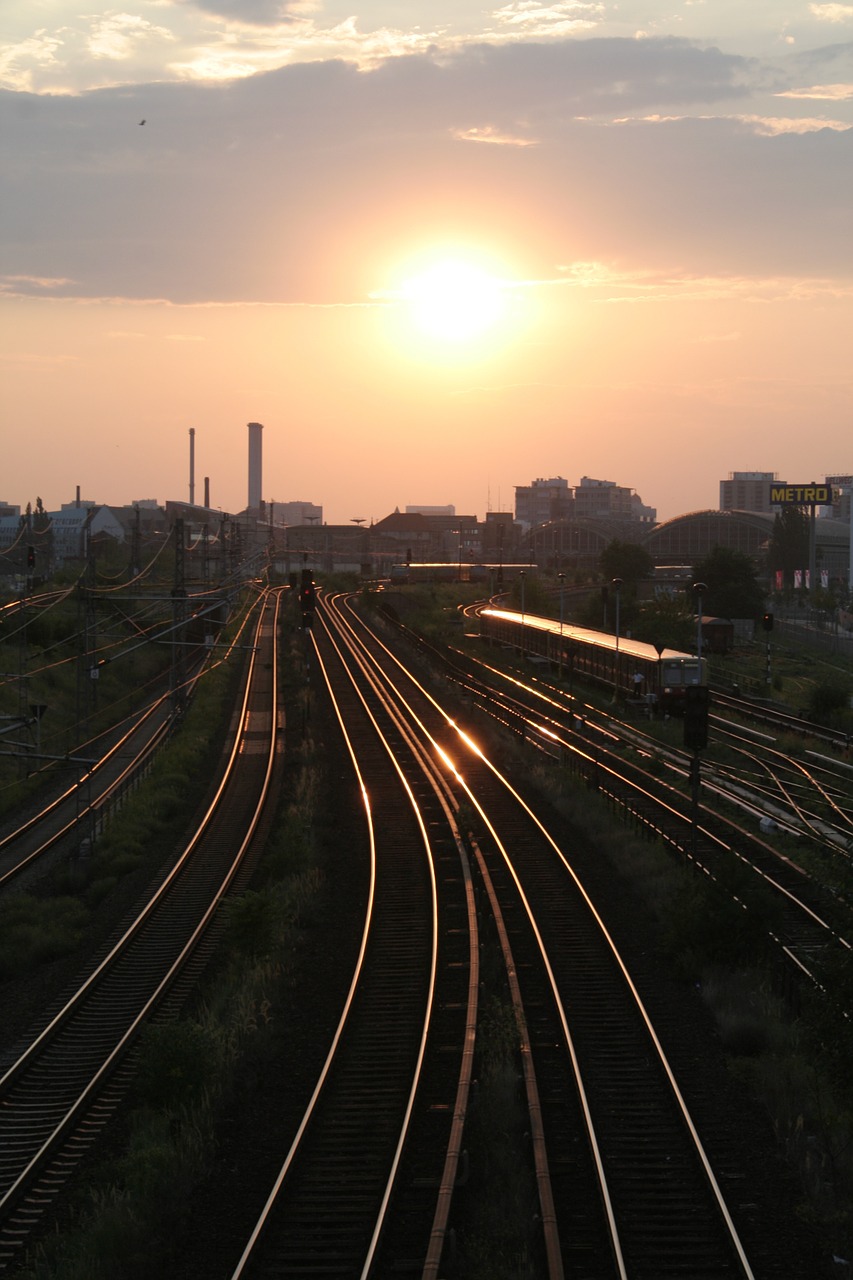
(434, 260)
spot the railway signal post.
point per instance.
(767, 624)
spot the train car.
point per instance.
(440, 571)
(635, 669)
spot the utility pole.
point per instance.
(87, 670)
(87, 674)
(136, 544)
(562, 578)
(179, 613)
(617, 587)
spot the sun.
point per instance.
(454, 301)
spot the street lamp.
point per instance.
(571, 650)
(698, 589)
(562, 578)
(617, 587)
(659, 648)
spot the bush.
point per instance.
(829, 699)
(34, 930)
(180, 1062)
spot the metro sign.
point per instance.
(801, 495)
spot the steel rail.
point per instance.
(650, 792)
(811, 780)
(255, 1242)
(605, 770)
(470, 747)
(450, 806)
(592, 1137)
(250, 1250)
(128, 1026)
(146, 751)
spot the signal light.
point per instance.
(307, 593)
(31, 557)
(767, 622)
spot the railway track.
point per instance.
(756, 710)
(57, 824)
(454, 863)
(59, 1090)
(809, 918)
(401, 1054)
(624, 1183)
(65, 817)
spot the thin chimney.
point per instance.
(255, 465)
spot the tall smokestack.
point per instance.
(192, 466)
(255, 465)
(207, 491)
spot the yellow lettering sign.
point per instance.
(800, 495)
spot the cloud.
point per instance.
(730, 288)
(116, 36)
(242, 50)
(563, 18)
(492, 136)
(766, 126)
(35, 360)
(33, 285)
(827, 92)
(773, 126)
(19, 61)
(832, 12)
(302, 185)
(255, 12)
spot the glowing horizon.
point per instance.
(438, 253)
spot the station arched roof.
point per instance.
(690, 537)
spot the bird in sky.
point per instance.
(142, 122)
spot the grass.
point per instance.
(186, 1068)
(793, 1058)
(498, 1204)
(125, 1211)
(49, 923)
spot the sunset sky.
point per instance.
(437, 248)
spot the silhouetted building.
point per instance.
(606, 500)
(542, 500)
(747, 491)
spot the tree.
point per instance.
(668, 621)
(536, 597)
(789, 543)
(625, 560)
(732, 589)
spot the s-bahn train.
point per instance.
(636, 669)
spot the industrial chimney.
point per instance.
(255, 465)
(192, 466)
